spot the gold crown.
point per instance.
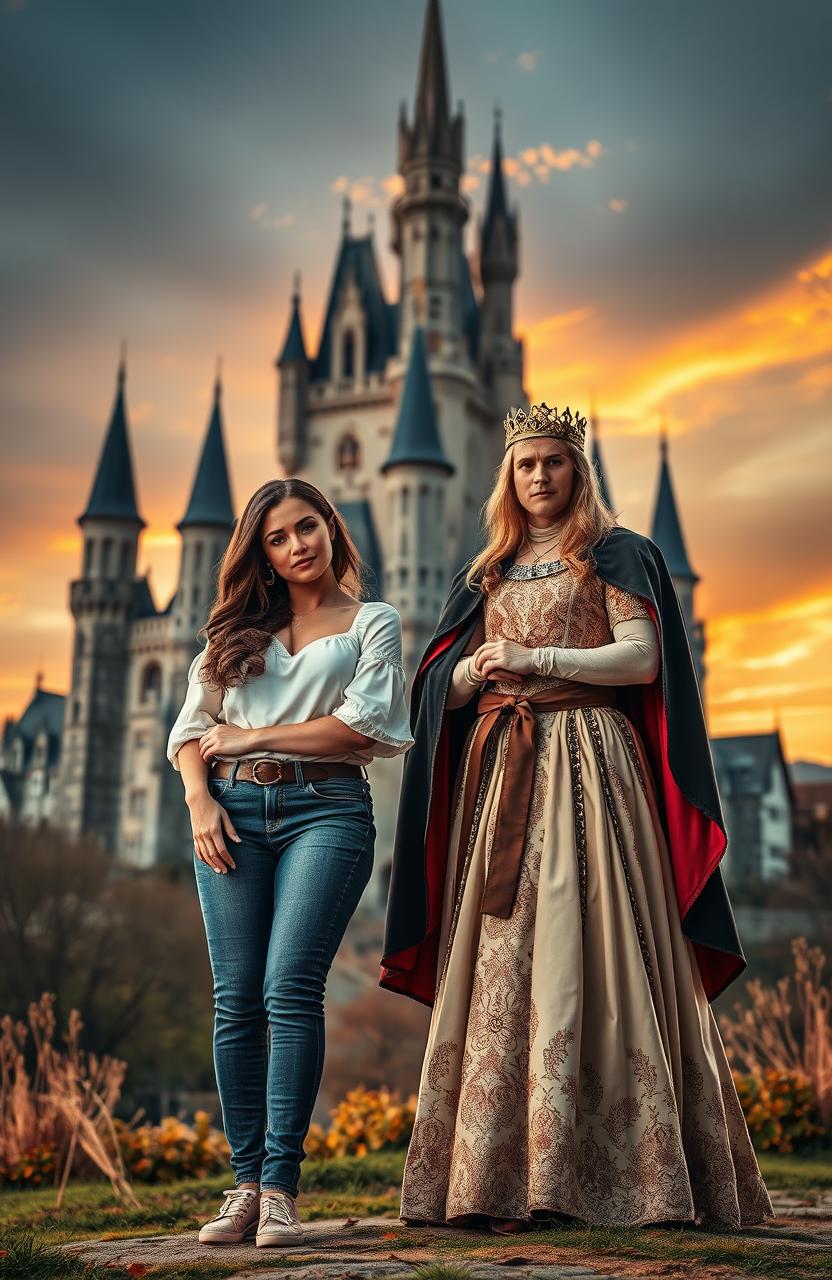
(540, 420)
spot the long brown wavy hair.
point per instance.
(586, 520)
(246, 612)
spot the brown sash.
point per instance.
(513, 812)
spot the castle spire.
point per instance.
(434, 132)
(597, 457)
(210, 501)
(666, 530)
(294, 347)
(498, 232)
(431, 115)
(496, 204)
(416, 437)
(113, 493)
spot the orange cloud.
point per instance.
(771, 665)
(788, 324)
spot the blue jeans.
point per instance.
(273, 927)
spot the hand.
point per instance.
(226, 740)
(208, 823)
(503, 660)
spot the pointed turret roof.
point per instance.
(434, 131)
(416, 437)
(357, 261)
(113, 494)
(497, 204)
(431, 112)
(666, 530)
(210, 501)
(598, 460)
(294, 348)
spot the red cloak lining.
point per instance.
(695, 841)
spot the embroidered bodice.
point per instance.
(545, 604)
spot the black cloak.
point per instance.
(669, 717)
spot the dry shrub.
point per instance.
(59, 1119)
(784, 1032)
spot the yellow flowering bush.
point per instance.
(31, 1167)
(366, 1120)
(779, 1108)
(172, 1149)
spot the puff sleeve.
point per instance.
(374, 701)
(621, 606)
(200, 711)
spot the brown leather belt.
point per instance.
(494, 710)
(267, 771)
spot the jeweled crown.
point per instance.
(540, 420)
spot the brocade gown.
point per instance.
(573, 1062)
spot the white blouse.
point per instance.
(356, 675)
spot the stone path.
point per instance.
(382, 1248)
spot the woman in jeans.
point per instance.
(298, 687)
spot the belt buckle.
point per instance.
(256, 766)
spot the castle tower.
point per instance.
(102, 602)
(205, 530)
(666, 532)
(428, 217)
(501, 354)
(293, 372)
(416, 472)
(597, 457)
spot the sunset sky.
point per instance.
(168, 164)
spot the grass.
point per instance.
(31, 1230)
(350, 1187)
(796, 1173)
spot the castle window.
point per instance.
(137, 803)
(76, 712)
(198, 557)
(435, 180)
(125, 560)
(194, 595)
(88, 550)
(151, 684)
(348, 355)
(106, 557)
(416, 234)
(349, 453)
(435, 307)
(80, 644)
(434, 233)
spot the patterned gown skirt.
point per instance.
(573, 1063)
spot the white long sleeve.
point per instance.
(632, 658)
(201, 711)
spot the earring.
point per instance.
(269, 579)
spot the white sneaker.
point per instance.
(236, 1220)
(279, 1222)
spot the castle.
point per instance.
(397, 417)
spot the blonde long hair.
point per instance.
(587, 520)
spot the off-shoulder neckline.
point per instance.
(332, 636)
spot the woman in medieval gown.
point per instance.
(573, 1063)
